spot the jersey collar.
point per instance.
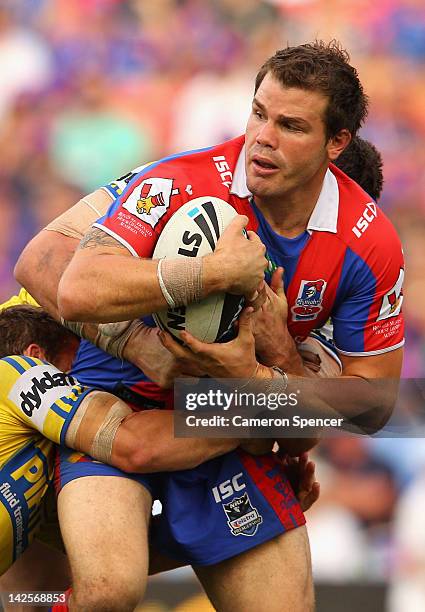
(238, 186)
(324, 217)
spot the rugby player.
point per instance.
(319, 138)
(38, 400)
(40, 404)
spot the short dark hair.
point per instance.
(23, 325)
(322, 67)
(362, 162)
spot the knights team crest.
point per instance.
(308, 304)
(242, 517)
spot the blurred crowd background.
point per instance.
(92, 88)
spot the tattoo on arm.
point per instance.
(46, 258)
(96, 237)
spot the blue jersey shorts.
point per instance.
(71, 464)
(220, 509)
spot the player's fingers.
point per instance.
(276, 282)
(180, 352)
(195, 345)
(311, 498)
(301, 462)
(251, 297)
(315, 492)
(245, 325)
(308, 475)
(255, 238)
(303, 459)
(259, 297)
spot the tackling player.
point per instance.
(40, 404)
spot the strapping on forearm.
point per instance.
(180, 280)
(74, 326)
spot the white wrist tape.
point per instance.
(164, 289)
(180, 280)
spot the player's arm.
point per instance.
(104, 282)
(39, 270)
(101, 425)
(368, 331)
(54, 251)
(41, 265)
(43, 261)
(106, 428)
(364, 394)
(274, 344)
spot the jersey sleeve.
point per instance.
(368, 319)
(42, 397)
(117, 186)
(147, 197)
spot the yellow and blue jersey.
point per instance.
(37, 404)
(23, 298)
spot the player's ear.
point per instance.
(34, 350)
(338, 143)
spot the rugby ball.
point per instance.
(193, 231)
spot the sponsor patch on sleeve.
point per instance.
(392, 300)
(37, 389)
(150, 200)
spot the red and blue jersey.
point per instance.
(343, 274)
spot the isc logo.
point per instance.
(369, 214)
(228, 487)
(224, 170)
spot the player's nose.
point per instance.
(267, 135)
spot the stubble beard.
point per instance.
(267, 194)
